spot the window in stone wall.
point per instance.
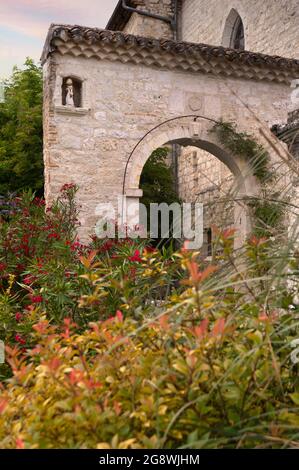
(72, 92)
(238, 38)
(209, 242)
(234, 35)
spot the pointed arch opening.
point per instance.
(234, 33)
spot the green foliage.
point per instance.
(158, 185)
(44, 265)
(196, 374)
(114, 344)
(117, 345)
(243, 145)
(157, 181)
(268, 216)
(21, 163)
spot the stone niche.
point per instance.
(76, 86)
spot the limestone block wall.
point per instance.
(271, 26)
(90, 145)
(203, 178)
(198, 171)
(145, 26)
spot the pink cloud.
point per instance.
(32, 17)
(28, 22)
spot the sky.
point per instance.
(24, 25)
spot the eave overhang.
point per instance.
(81, 41)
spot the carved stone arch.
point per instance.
(196, 134)
(234, 33)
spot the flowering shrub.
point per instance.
(119, 345)
(44, 268)
(196, 375)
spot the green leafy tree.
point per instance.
(158, 185)
(157, 180)
(21, 139)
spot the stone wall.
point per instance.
(145, 26)
(90, 146)
(202, 21)
(271, 26)
(203, 178)
(49, 125)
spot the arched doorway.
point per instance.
(195, 131)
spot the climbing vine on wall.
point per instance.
(243, 145)
(267, 210)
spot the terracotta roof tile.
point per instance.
(224, 56)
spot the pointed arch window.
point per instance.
(234, 35)
(238, 37)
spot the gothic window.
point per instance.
(234, 35)
(238, 38)
(72, 92)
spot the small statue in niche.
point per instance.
(69, 97)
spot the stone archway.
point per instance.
(129, 83)
(192, 131)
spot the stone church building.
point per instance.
(164, 72)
